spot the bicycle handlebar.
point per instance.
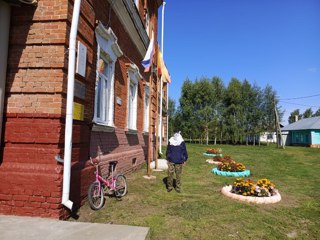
(94, 161)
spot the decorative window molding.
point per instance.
(147, 21)
(133, 79)
(107, 54)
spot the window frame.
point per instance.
(147, 19)
(108, 51)
(103, 113)
(132, 105)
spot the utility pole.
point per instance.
(279, 134)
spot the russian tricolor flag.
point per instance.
(147, 61)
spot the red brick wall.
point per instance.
(30, 178)
(35, 106)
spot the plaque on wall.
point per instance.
(119, 100)
(79, 89)
(78, 111)
(82, 59)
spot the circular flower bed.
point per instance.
(244, 173)
(213, 152)
(230, 168)
(263, 191)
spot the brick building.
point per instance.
(115, 103)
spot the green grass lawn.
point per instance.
(200, 211)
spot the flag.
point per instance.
(147, 60)
(159, 61)
(166, 74)
(161, 67)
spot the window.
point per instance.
(103, 90)
(146, 109)
(133, 78)
(107, 53)
(132, 106)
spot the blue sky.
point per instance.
(275, 42)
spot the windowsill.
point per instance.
(132, 132)
(102, 128)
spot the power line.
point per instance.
(316, 95)
(300, 104)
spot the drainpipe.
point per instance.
(69, 111)
(4, 40)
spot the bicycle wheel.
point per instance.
(95, 197)
(121, 186)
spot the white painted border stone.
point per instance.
(213, 162)
(226, 190)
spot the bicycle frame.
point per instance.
(113, 184)
(110, 183)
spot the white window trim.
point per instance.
(107, 41)
(133, 78)
(147, 21)
(137, 3)
(146, 109)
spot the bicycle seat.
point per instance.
(114, 162)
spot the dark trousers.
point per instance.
(174, 169)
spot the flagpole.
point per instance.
(161, 83)
(150, 125)
(148, 65)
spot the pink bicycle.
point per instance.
(115, 185)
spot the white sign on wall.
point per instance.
(82, 59)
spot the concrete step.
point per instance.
(31, 228)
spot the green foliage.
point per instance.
(171, 116)
(307, 114)
(317, 113)
(209, 110)
(293, 115)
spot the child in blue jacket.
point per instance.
(177, 155)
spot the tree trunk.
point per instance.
(215, 136)
(207, 137)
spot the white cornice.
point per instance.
(108, 34)
(130, 19)
(135, 70)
